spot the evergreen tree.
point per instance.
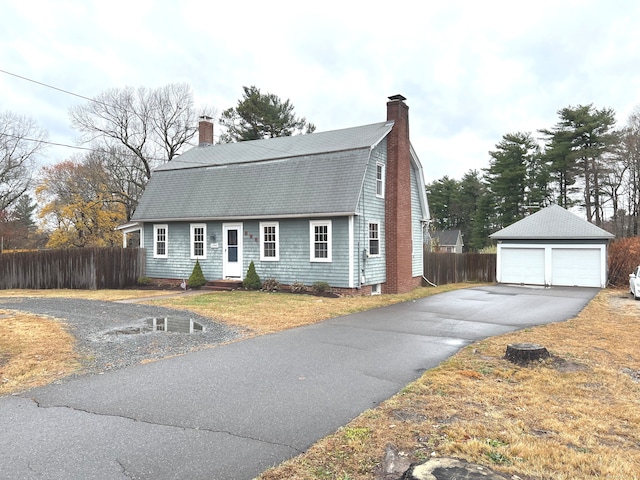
(582, 142)
(261, 115)
(471, 196)
(252, 280)
(23, 211)
(516, 177)
(455, 205)
(562, 168)
(482, 226)
(196, 279)
(444, 203)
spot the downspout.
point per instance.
(425, 226)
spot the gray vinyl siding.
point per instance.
(178, 264)
(294, 243)
(371, 209)
(416, 226)
(294, 264)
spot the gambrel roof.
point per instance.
(553, 222)
(304, 175)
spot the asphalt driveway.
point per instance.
(232, 411)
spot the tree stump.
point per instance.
(522, 353)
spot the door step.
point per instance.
(223, 285)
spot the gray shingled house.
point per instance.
(347, 207)
(552, 247)
(446, 241)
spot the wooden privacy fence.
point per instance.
(81, 268)
(442, 268)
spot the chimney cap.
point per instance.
(397, 97)
(206, 118)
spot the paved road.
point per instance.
(233, 411)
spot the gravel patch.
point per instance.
(94, 325)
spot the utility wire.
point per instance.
(56, 88)
(91, 100)
(96, 150)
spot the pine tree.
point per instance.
(261, 115)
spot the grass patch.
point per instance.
(34, 351)
(262, 312)
(575, 415)
(106, 295)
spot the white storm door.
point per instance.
(232, 250)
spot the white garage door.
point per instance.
(522, 265)
(576, 266)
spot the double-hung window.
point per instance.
(380, 180)
(320, 236)
(374, 239)
(269, 241)
(160, 237)
(198, 240)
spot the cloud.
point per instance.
(471, 71)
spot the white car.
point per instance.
(634, 284)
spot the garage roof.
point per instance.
(553, 222)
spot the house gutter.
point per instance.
(247, 217)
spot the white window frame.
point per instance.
(380, 168)
(192, 240)
(377, 224)
(276, 226)
(164, 227)
(312, 240)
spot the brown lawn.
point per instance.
(576, 415)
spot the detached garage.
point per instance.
(552, 247)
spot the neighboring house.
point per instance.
(552, 247)
(446, 241)
(347, 207)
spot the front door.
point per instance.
(232, 250)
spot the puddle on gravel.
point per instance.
(157, 324)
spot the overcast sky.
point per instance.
(471, 71)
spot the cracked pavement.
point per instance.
(232, 411)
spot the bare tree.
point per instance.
(136, 130)
(630, 158)
(21, 141)
(126, 179)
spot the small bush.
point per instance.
(252, 280)
(271, 285)
(197, 280)
(298, 287)
(320, 287)
(143, 281)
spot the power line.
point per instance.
(95, 150)
(91, 100)
(55, 88)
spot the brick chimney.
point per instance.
(205, 131)
(399, 243)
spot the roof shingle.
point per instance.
(553, 222)
(314, 174)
